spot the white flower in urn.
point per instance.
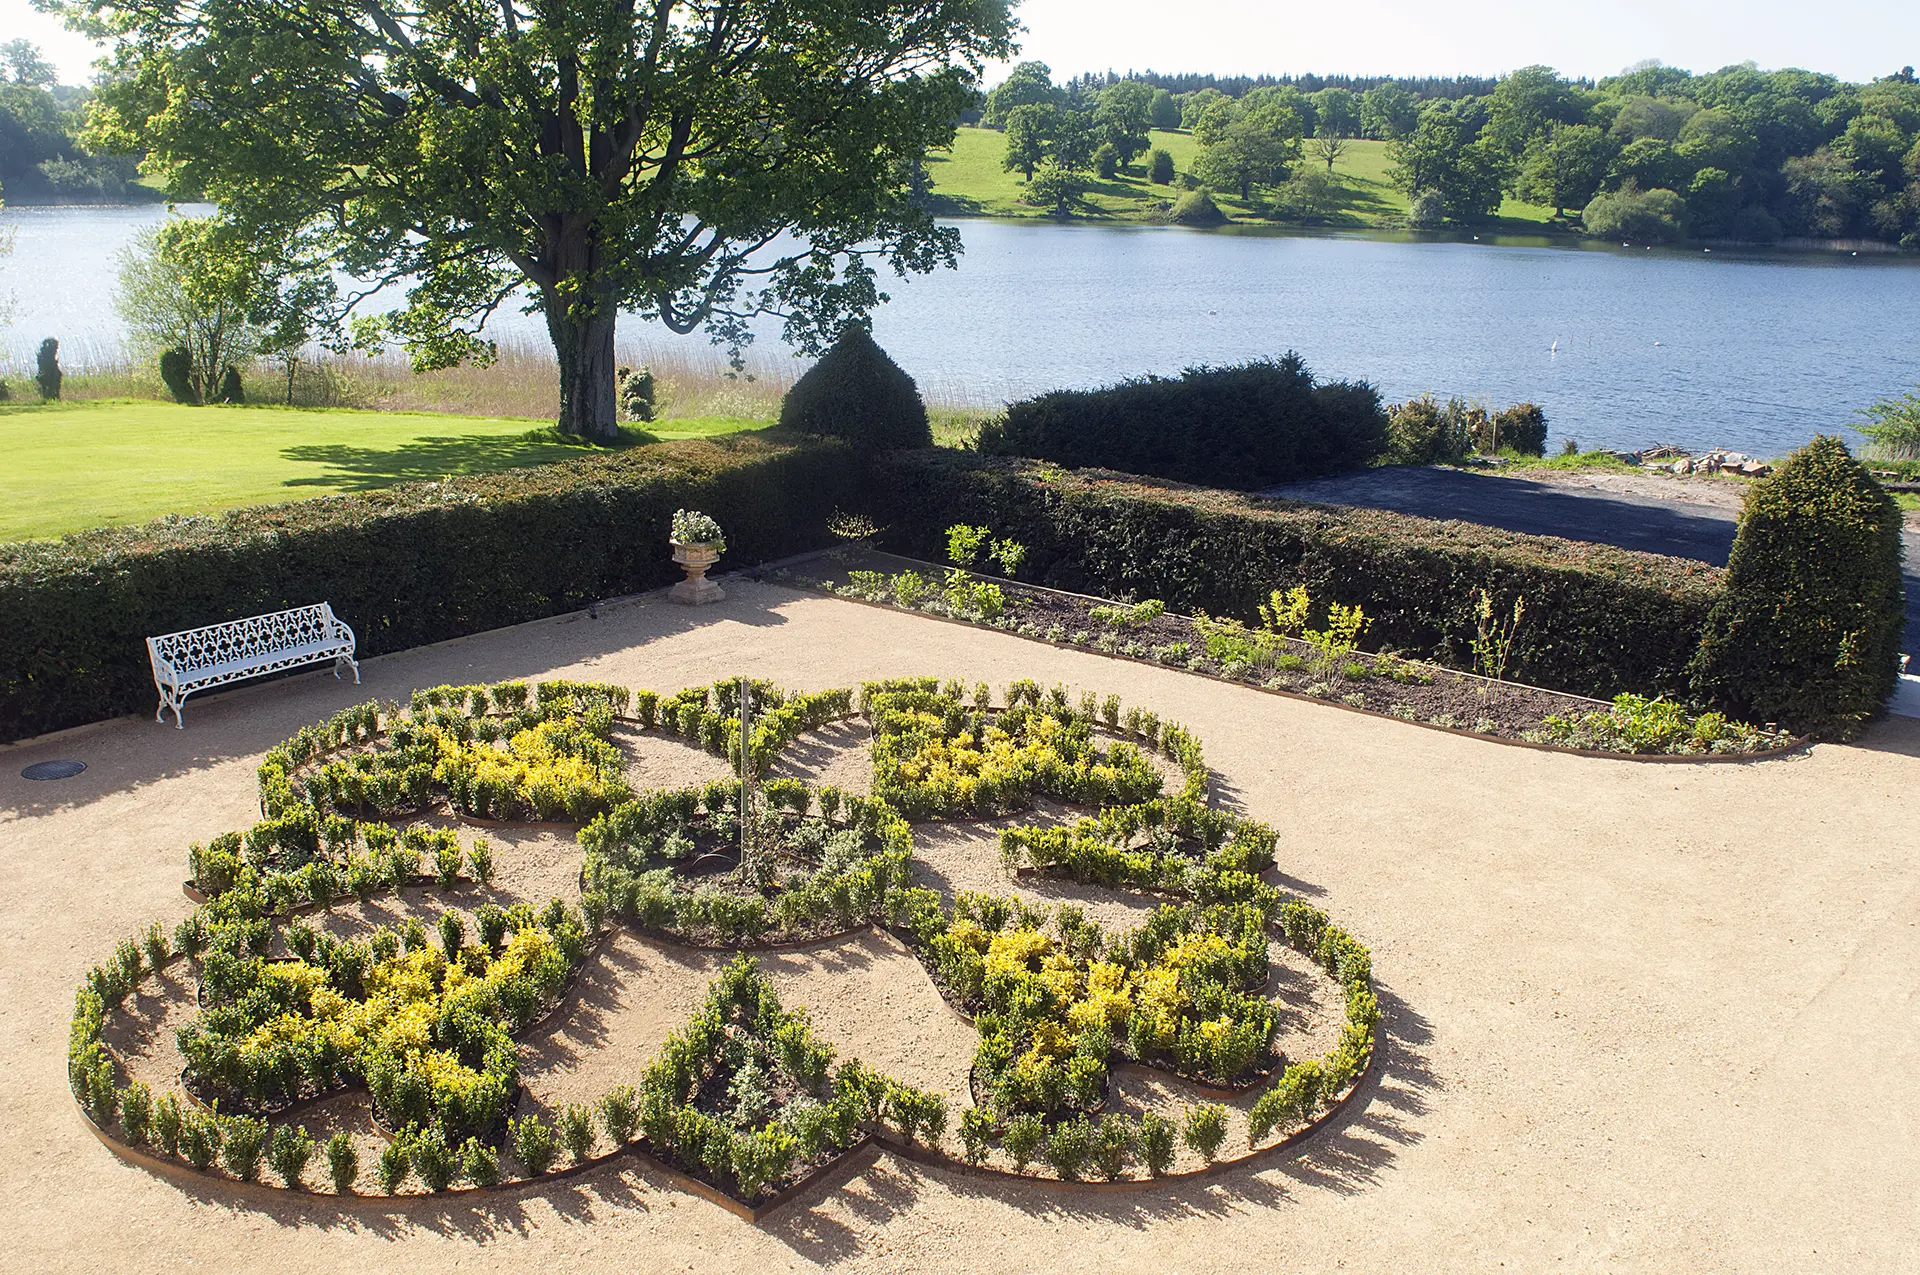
(698, 543)
(691, 527)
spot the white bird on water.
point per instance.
(1555, 349)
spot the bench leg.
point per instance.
(351, 663)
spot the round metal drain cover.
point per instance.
(53, 770)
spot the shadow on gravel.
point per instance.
(1347, 1156)
(1701, 532)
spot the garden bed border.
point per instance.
(1796, 745)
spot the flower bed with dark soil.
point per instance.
(1376, 682)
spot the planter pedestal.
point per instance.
(696, 589)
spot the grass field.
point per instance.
(72, 466)
(969, 182)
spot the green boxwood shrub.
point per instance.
(1808, 631)
(856, 392)
(406, 566)
(1245, 426)
(1600, 620)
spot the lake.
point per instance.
(1623, 347)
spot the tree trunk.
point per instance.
(585, 350)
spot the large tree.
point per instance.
(1247, 146)
(700, 163)
(1030, 128)
(1124, 117)
(1564, 167)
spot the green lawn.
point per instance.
(72, 466)
(968, 182)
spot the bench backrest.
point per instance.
(241, 641)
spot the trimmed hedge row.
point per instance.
(406, 566)
(1246, 426)
(1600, 620)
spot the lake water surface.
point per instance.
(1623, 347)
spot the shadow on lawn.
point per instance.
(431, 458)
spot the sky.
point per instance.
(1854, 39)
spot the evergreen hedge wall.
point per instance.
(405, 566)
(1599, 620)
(1247, 426)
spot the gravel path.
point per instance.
(1638, 1017)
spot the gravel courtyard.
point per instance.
(1638, 1016)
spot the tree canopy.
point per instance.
(701, 164)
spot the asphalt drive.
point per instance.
(1702, 532)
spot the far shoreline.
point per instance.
(1491, 236)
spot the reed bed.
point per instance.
(523, 381)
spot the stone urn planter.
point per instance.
(696, 589)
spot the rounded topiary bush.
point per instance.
(1808, 631)
(857, 393)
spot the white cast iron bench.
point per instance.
(195, 659)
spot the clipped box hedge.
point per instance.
(1599, 620)
(406, 566)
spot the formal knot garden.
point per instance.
(365, 998)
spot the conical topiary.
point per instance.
(857, 393)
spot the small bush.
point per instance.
(1808, 631)
(576, 1131)
(620, 1114)
(857, 393)
(200, 1138)
(394, 1167)
(479, 1163)
(1427, 211)
(1245, 426)
(1422, 432)
(136, 1112)
(1639, 216)
(343, 1162)
(534, 1144)
(1206, 1129)
(976, 1132)
(434, 1162)
(635, 390)
(1160, 167)
(1196, 208)
(167, 1123)
(176, 372)
(1521, 427)
(1157, 1134)
(47, 374)
(245, 1139)
(480, 859)
(230, 390)
(288, 1152)
(1026, 1134)
(1106, 161)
